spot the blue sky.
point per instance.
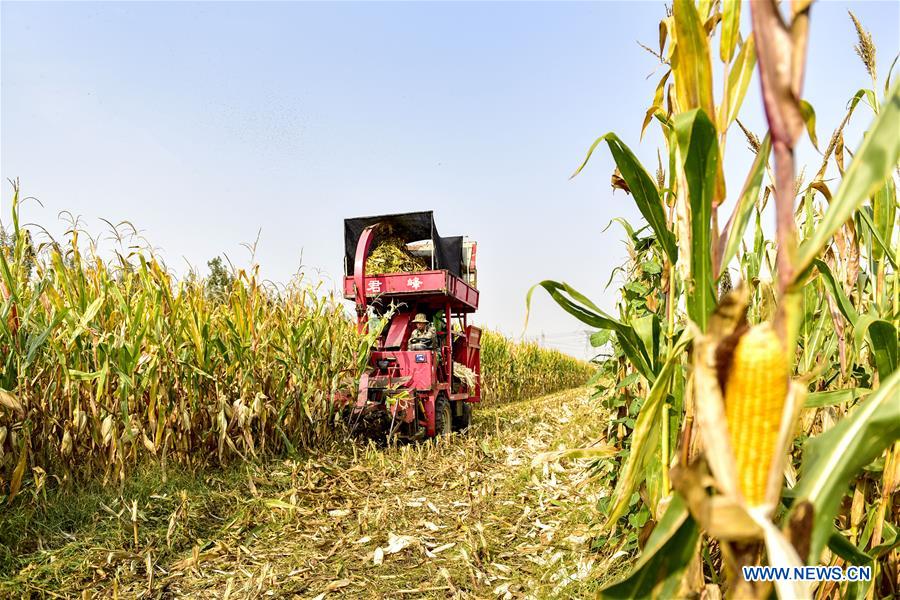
(204, 123)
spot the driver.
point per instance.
(422, 337)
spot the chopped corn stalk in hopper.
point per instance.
(392, 256)
(465, 374)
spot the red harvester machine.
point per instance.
(414, 393)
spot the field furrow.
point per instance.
(477, 515)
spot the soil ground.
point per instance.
(485, 514)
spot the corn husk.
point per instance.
(755, 395)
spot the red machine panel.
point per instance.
(421, 283)
(397, 332)
(418, 366)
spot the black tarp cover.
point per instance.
(411, 227)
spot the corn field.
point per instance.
(107, 363)
(515, 371)
(110, 363)
(758, 421)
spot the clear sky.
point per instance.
(204, 123)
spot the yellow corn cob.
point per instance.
(755, 392)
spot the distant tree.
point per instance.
(220, 279)
(8, 242)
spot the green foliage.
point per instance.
(19, 243)
(872, 165)
(696, 140)
(219, 281)
(832, 458)
(657, 574)
(645, 435)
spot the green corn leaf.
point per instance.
(884, 208)
(648, 330)
(691, 65)
(658, 571)
(35, 342)
(884, 205)
(814, 332)
(738, 81)
(643, 189)
(692, 69)
(873, 163)
(832, 458)
(730, 240)
(595, 379)
(890, 539)
(625, 225)
(883, 337)
(837, 292)
(87, 317)
(584, 310)
(809, 118)
(861, 93)
(703, 8)
(83, 376)
(627, 380)
(657, 102)
(842, 547)
(835, 397)
(8, 278)
(731, 29)
(613, 274)
(699, 149)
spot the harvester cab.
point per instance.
(397, 270)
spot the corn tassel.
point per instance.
(755, 393)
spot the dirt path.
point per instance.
(467, 517)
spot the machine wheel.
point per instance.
(463, 421)
(443, 417)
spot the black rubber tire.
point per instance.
(463, 421)
(443, 417)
